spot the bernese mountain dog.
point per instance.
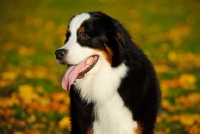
(113, 86)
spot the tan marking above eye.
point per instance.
(118, 35)
(68, 30)
(81, 29)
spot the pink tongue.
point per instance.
(71, 75)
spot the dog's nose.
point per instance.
(60, 53)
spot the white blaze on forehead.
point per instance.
(75, 52)
(74, 24)
(77, 21)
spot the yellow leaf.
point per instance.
(5, 83)
(161, 68)
(194, 98)
(166, 105)
(31, 119)
(194, 129)
(187, 81)
(172, 56)
(49, 26)
(41, 72)
(28, 73)
(24, 51)
(184, 101)
(27, 93)
(65, 123)
(61, 96)
(9, 75)
(186, 119)
(19, 132)
(8, 102)
(189, 100)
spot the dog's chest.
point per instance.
(113, 118)
(111, 115)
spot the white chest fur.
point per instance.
(100, 86)
(113, 118)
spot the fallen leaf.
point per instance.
(172, 56)
(168, 106)
(190, 100)
(49, 26)
(9, 102)
(27, 93)
(5, 83)
(161, 68)
(194, 129)
(186, 119)
(65, 123)
(19, 132)
(9, 75)
(187, 81)
(28, 73)
(32, 118)
(26, 51)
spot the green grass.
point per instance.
(31, 31)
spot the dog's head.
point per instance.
(92, 39)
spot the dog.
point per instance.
(113, 85)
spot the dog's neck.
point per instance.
(99, 85)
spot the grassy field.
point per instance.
(31, 98)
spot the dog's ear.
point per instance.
(120, 33)
(117, 40)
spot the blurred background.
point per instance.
(31, 98)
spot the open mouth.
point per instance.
(90, 63)
(78, 71)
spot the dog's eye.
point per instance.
(85, 36)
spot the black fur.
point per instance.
(139, 89)
(81, 113)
